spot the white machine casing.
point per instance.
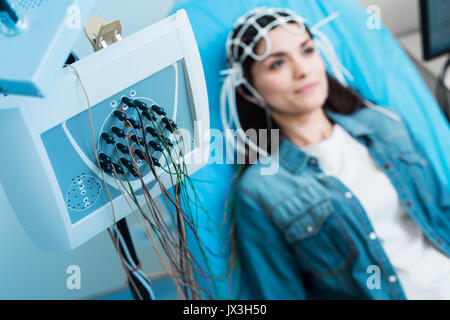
(26, 171)
(30, 60)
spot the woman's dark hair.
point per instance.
(340, 99)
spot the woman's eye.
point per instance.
(309, 50)
(276, 64)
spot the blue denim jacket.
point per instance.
(300, 237)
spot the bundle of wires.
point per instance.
(176, 257)
(138, 280)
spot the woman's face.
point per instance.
(293, 78)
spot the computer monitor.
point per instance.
(435, 19)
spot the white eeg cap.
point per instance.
(237, 51)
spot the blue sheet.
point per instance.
(382, 70)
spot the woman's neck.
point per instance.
(307, 129)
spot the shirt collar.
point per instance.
(294, 159)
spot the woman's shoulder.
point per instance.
(252, 181)
(382, 121)
(388, 124)
(382, 116)
(267, 182)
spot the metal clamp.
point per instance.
(101, 34)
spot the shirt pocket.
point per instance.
(417, 168)
(320, 239)
(412, 158)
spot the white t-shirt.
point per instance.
(423, 270)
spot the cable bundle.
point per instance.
(175, 256)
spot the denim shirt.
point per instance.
(302, 235)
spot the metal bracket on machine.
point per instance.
(102, 34)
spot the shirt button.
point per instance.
(310, 229)
(372, 236)
(348, 195)
(439, 240)
(387, 166)
(409, 204)
(312, 162)
(392, 278)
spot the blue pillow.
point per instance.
(382, 72)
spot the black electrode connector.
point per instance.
(108, 138)
(105, 158)
(129, 102)
(156, 146)
(133, 171)
(118, 132)
(141, 105)
(118, 168)
(127, 163)
(152, 131)
(156, 162)
(170, 124)
(106, 167)
(123, 148)
(134, 123)
(159, 111)
(140, 154)
(120, 115)
(150, 116)
(137, 140)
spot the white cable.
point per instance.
(382, 110)
(145, 281)
(325, 21)
(338, 68)
(140, 275)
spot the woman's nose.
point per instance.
(300, 69)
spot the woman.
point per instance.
(355, 210)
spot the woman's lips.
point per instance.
(307, 88)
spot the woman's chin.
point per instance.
(311, 104)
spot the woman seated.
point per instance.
(355, 209)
